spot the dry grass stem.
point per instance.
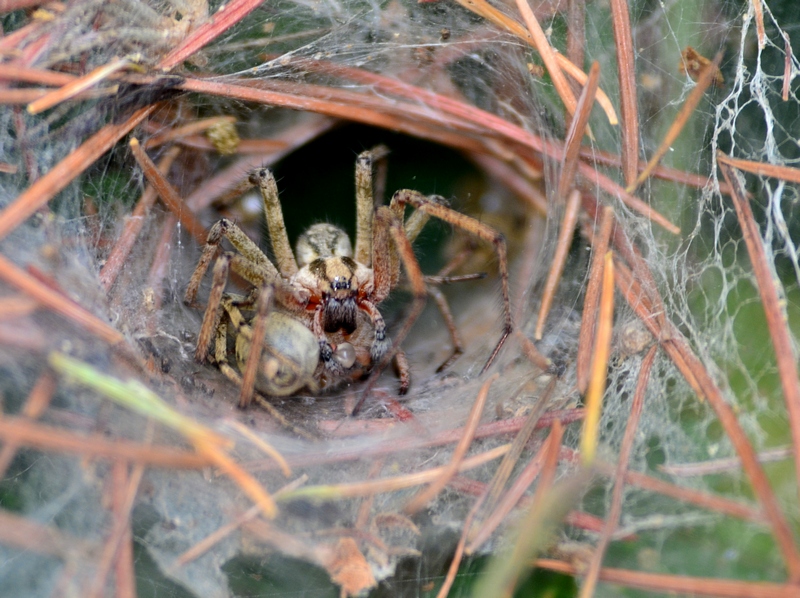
(576, 30)
(36, 403)
(662, 172)
(717, 504)
(758, 10)
(122, 496)
(123, 493)
(262, 445)
(787, 67)
(212, 539)
(230, 14)
(392, 484)
(15, 72)
(565, 234)
(542, 45)
(482, 530)
(26, 535)
(688, 470)
(503, 471)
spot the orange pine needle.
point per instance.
(597, 381)
(628, 100)
(786, 173)
(559, 259)
(592, 298)
(77, 86)
(168, 194)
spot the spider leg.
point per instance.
(365, 202)
(403, 371)
(447, 316)
(265, 181)
(388, 229)
(480, 230)
(262, 269)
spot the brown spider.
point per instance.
(325, 326)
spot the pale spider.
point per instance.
(325, 326)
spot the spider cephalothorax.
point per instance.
(328, 287)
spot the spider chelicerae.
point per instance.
(316, 319)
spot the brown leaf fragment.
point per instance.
(692, 63)
(349, 569)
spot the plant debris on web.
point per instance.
(621, 433)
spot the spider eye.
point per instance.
(345, 355)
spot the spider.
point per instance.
(317, 320)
